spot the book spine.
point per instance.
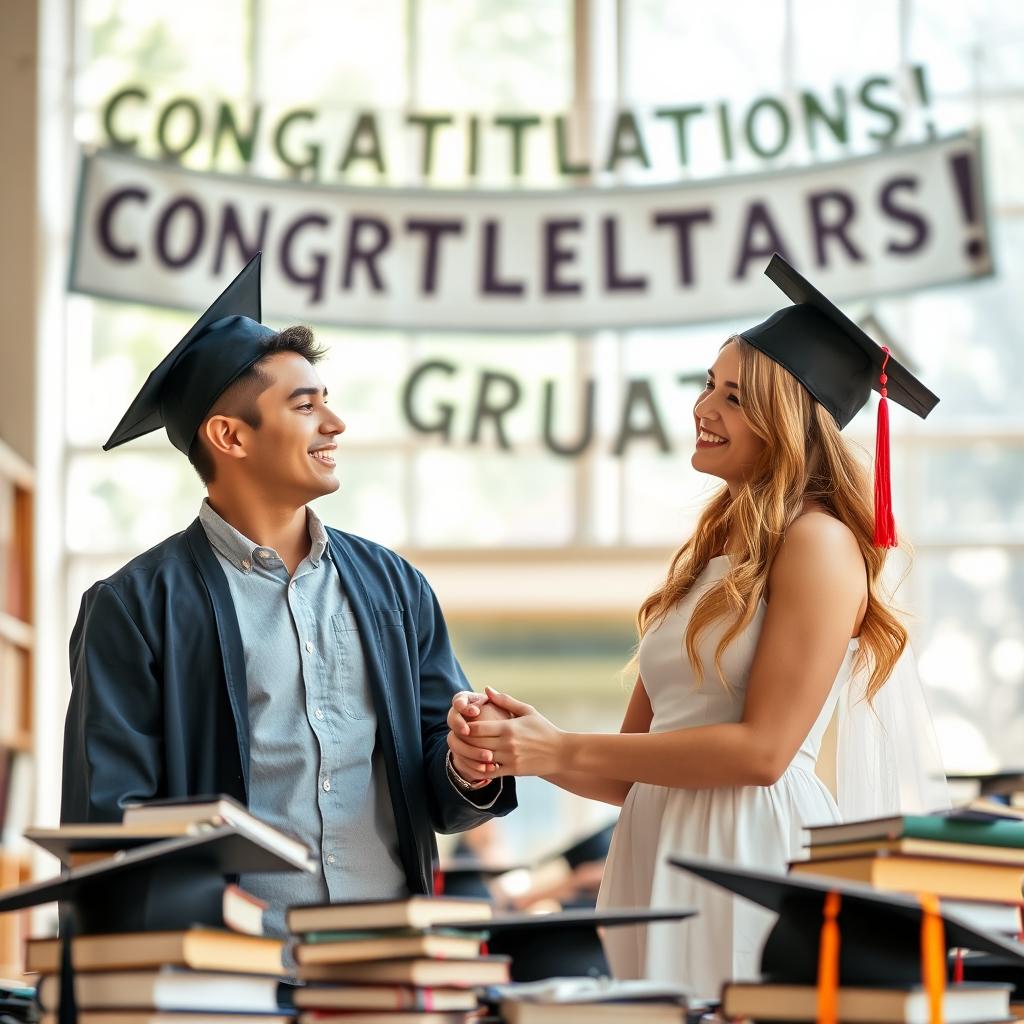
(997, 833)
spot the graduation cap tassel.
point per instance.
(933, 955)
(885, 525)
(828, 962)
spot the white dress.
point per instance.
(754, 826)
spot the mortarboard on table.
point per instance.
(592, 847)
(166, 885)
(564, 944)
(220, 346)
(1005, 782)
(468, 875)
(880, 933)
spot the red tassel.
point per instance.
(885, 525)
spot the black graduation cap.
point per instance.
(565, 944)
(469, 876)
(166, 885)
(1005, 782)
(163, 886)
(222, 344)
(590, 848)
(840, 365)
(879, 932)
(828, 353)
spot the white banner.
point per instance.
(578, 259)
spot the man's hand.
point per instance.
(472, 764)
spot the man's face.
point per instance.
(293, 449)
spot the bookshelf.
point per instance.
(16, 691)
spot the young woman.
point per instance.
(771, 614)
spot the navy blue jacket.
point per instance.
(158, 700)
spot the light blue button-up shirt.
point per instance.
(315, 768)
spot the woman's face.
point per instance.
(727, 447)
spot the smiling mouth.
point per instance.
(323, 456)
(706, 439)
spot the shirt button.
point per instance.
(246, 564)
(331, 858)
(327, 785)
(319, 715)
(292, 584)
(309, 646)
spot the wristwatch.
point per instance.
(459, 781)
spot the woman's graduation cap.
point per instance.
(840, 365)
(222, 344)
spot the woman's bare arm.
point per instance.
(610, 791)
(817, 590)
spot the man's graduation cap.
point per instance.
(222, 344)
(840, 365)
(880, 934)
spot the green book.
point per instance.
(935, 827)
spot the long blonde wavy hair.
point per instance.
(805, 459)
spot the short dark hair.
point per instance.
(239, 397)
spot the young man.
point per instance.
(304, 671)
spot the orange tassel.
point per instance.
(885, 525)
(828, 962)
(933, 955)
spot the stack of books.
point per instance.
(392, 962)
(17, 1002)
(172, 976)
(863, 1004)
(163, 937)
(975, 865)
(882, 960)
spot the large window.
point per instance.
(958, 491)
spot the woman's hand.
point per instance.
(525, 743)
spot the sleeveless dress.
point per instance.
(752, 826)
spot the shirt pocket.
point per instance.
(353, 679)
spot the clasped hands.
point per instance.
(492, 735)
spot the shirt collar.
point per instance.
(242, 552)
(317, 536)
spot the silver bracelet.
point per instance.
(463, 784)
